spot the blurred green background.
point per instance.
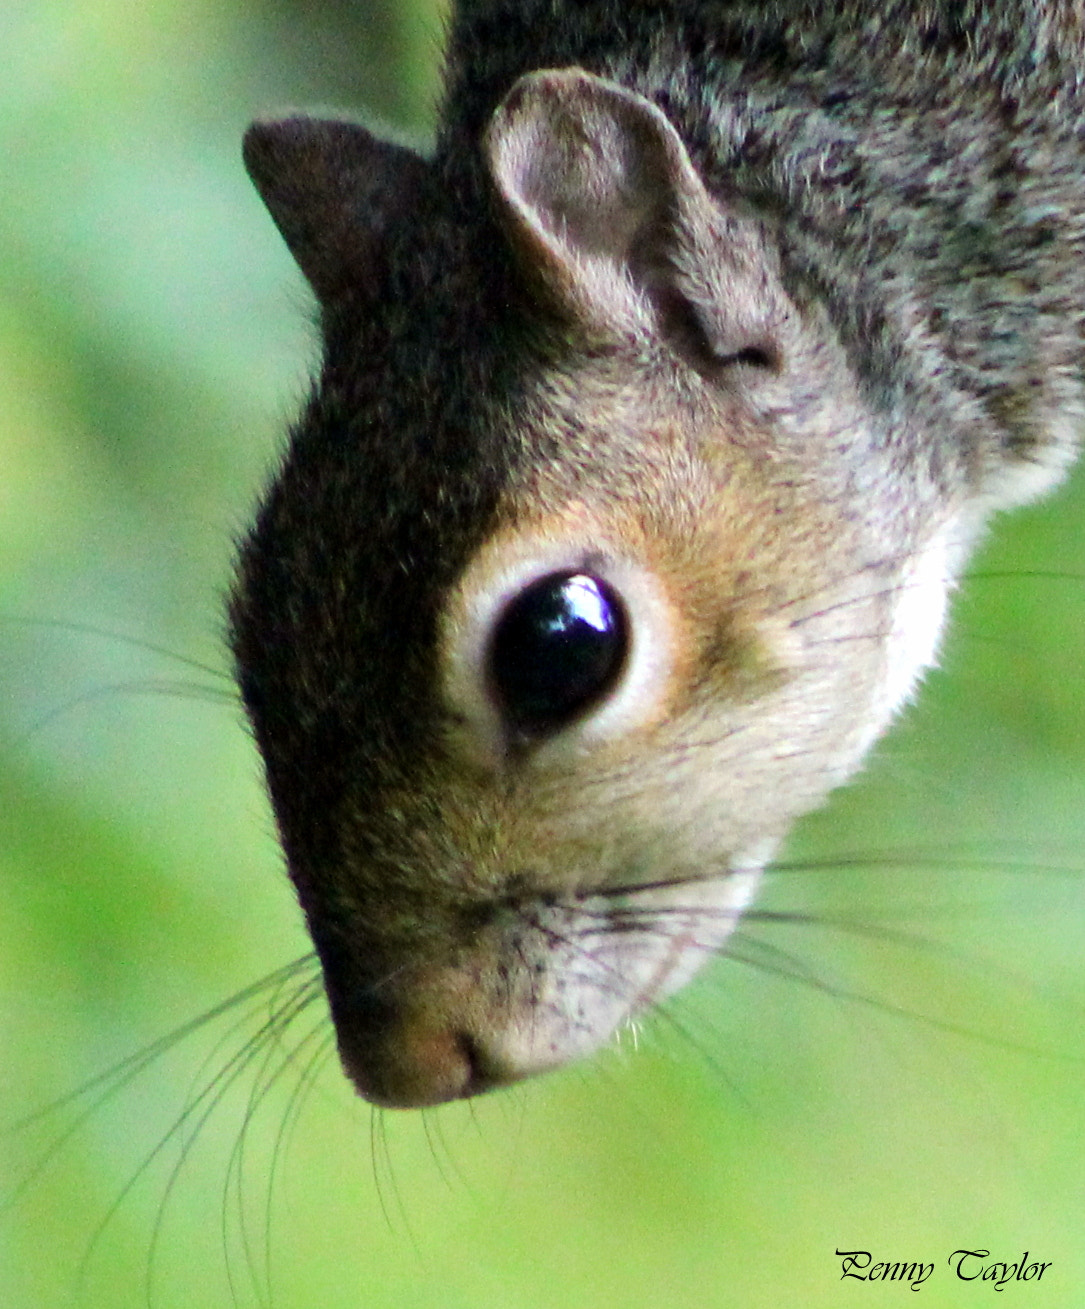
(899, 1070)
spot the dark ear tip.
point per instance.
(256, 147)
(333, 190)
(258, 143)
(271, 145)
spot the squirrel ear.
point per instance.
(608, 211)
(333, 189)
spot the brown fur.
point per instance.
(754, 312)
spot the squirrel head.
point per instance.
(595, 562)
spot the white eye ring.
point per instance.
(501, 572)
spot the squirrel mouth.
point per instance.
(538, 987)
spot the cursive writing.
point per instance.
(860, 1265)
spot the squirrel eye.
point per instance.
(558, 647)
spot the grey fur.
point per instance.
(755, 310)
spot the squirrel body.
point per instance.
(659, 409)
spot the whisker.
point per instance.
(1024, 575)
(189, 1123)
(274, 1069)
(112, 1080)
(303, 1087)
(790, 970)
(927, 860)
(147, 686)
(431, 1130)
(601, 968)
(121, 638)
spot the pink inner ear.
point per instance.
(610, 215)
(608, 212)
(582, 162)
(333, 190)
(587, 171)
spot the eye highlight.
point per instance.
(558, 648)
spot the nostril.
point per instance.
(408, 1060)
(416, 1037)
(486, 1075)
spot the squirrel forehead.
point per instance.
(390, 491)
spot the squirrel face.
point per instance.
(594, 565)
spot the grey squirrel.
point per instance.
(659, 410)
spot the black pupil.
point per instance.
(558, 647)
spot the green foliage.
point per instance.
(900, 1074)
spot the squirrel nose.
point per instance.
(404, 1058)
(420, 1066)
